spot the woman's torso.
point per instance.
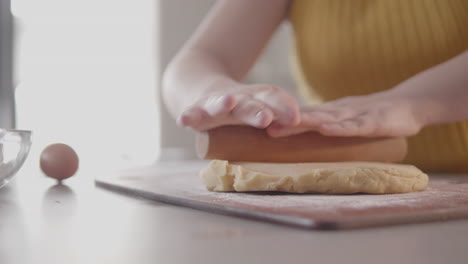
(357, 47)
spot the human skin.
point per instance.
(434, 96)
(203, 87)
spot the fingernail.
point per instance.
(189, 118)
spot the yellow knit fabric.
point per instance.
(357, 47)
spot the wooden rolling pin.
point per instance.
(243, 143)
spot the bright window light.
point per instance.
(85, 77)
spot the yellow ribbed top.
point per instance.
(356, 47)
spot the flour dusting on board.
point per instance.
(442, 193)
(328, 203)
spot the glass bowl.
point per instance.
(14, 148)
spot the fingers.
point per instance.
(190, 117)
(364, 125)
(253, 113)
(311, 119)
(358, 126)
(255, 105)
(327, 113)
(284, 106)
(217, 105)
(226, 110)
(197, 119)
(277, 130)
(368, 116)
(211, 112)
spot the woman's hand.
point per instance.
(254, 105)
(437, 95)
(376, 115)
(218, 56)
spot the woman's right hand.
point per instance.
(254, 105)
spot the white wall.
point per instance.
(6, 66)
(176, 22)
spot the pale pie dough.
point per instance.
(333, 177)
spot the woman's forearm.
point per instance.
(440, 94)
(222, 50)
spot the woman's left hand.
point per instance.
(377, 115)
(438, 95)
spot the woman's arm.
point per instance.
(440, 93)
(434, 96)
(202, 85)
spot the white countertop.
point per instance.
(79, 223)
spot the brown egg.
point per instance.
(59, 161)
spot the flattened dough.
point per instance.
(333, 178)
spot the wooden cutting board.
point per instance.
(178, 184)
